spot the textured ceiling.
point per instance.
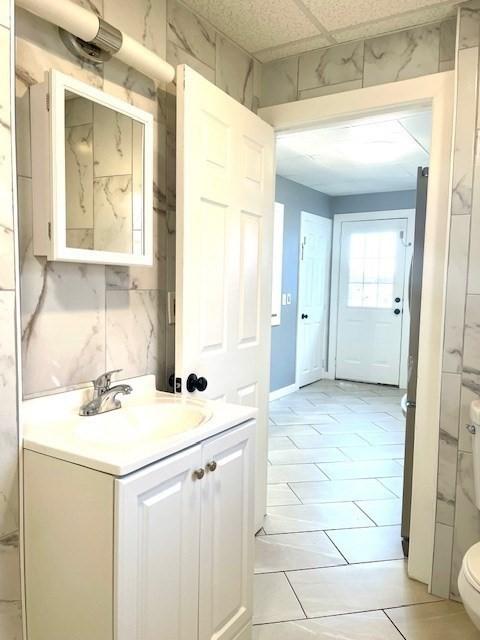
(358, 157)
(273, 29)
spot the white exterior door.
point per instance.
(371, 300)
(227, 535)
(225, 194)
(313, 297)
(157, 539)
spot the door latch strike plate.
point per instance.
(178, 385)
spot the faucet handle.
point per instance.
(102, 383)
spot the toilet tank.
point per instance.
(474, 429)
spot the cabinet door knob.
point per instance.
(198, 474)
(211, 466)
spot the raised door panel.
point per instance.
(226, 566)
(157, 551)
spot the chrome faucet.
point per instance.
(104, 396)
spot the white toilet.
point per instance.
(469, 577)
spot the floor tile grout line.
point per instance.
(336, 547)
(393, 623)
(332, 529)
(296, 595)
(349, 613)
(333, 566)
(363, 511)
(388, 488)
(288, 532)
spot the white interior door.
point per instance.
(371, 300)
(225, 194)
(313, 297)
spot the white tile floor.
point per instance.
(329, 562)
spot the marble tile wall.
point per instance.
(363, 63)
(457, 518)
(78, 320)
(10, 607)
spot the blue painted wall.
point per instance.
(373, 202)
(297, 198)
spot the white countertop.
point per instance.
(122, 441)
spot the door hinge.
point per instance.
(47, 101)
(49, 230)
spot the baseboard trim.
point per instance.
(284, 391)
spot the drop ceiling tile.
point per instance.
(333, 160)
(293, 48)
(260, 25)
(342, 14)
(402, 21)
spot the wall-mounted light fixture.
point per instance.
(91, 38)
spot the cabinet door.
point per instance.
(226, 539)
(157, 533)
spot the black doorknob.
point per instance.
(304, 316)
(396, 311)
(196, 384)
(397, 299)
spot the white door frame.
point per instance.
(409, 215)
(328, 225)
(437, 92)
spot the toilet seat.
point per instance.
(471, 566)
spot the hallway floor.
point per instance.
(329, 562)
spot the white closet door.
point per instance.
(313, 297)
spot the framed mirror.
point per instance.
(92, 170)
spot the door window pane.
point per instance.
(371, 269)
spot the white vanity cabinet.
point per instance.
(164, 553)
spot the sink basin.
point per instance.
(150, 426)
(158, 419)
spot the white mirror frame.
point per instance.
(48, 171)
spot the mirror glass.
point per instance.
(104, 178)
